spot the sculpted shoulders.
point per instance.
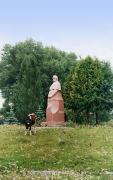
(56, 85)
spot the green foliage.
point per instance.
(26, 74)
(88, 90)
(20, 76)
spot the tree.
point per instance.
(88, 90)
(26, 73)
(20, 80)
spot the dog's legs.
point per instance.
(30, 132)
(25, 133)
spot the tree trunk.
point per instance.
(97, 118)
(87, 116)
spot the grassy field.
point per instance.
(83, 152)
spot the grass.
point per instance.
(83, 152)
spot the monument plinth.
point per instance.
(55, 106)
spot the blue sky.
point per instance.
(82, 26)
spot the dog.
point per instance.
(31, 121)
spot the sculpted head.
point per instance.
(55, 78)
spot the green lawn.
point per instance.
(83, 152)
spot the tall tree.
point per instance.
(20, 76)
(26, 73)
(89, 90)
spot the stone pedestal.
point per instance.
(55, 111)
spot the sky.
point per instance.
(81, 26)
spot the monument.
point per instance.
(55, 105)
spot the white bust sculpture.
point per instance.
(54, 87)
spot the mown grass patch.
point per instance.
(83, 149)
